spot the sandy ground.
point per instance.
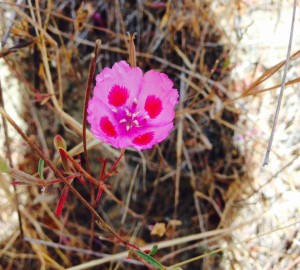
(12, 98)
(259, 32)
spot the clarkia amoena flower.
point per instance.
(129, 109)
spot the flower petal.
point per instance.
(104, 125)
(147, 137)
(129, 110)
(118, 95)
(156, 89)
(107, 127)
(153, 106)
(102, 122)
(143, 139)
(122, 76)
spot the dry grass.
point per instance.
(192, 190)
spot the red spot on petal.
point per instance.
(153, 106)
(118, 96)
(143, 139)
(107, 127)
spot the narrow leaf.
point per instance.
(62, 200)
(150, 260)
(41, 168)
(64, 159)
(26, 178)
(154, 250)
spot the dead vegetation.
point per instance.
(184, 194)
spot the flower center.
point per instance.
(129, 117)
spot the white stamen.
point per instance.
(128, 113)
(146, 116)
(123, 121)
(135, 101)
(136, 123)
(136, 114)
(114, 110)
(127, 127)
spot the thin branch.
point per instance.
(86, 100)
(179, 147)
(114, 166)
(76, 249)
(266, 160)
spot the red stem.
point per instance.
(115, 165)
(86, 101)
(101, 182)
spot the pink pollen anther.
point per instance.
(123, 121)
(135, 101)
(114, 110)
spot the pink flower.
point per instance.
(132, 110)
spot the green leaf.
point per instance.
(153, 251)
(3, 165)
(41, 168)
(157, 265)
(175, 268)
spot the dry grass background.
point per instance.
(203, 193)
